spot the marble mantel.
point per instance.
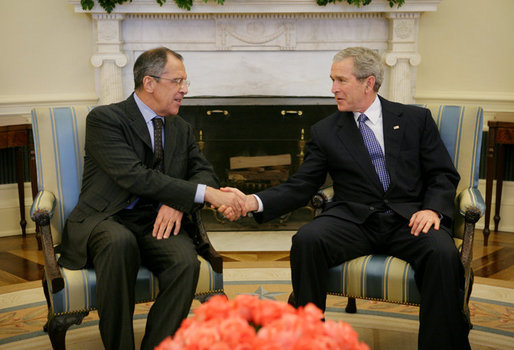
(257, 47)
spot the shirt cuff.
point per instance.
(261, 207)
(200, 194)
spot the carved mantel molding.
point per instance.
(257, 47)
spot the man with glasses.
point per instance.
(142, 172)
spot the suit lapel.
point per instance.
(137, 122)
(351, 138)
(394, 128)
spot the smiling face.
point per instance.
(351, 94)
(164, 95)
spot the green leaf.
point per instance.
(109, 5)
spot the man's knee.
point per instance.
(114, 242)
(307, 236)
(187, 266)
(442, 249)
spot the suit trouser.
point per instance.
(328, 241)
(117, 247)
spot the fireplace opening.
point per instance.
(252, 147)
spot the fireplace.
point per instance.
(241, 54)
(255, 143)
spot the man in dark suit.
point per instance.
(142, 172)
(399, 204)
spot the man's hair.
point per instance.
(366, 63)
(152, 62)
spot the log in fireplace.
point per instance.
(255, 146)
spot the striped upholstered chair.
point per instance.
(385, 278)
(71, 294)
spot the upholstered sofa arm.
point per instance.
(470, 197)
(41, 212)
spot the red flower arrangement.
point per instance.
(248, 323)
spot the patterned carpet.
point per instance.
(381, 325)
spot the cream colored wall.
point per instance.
(44, 59)
(45, 50)
(466, 48)
(467, 51)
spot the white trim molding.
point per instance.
(245, 39)
(23, 104)
(490, 101)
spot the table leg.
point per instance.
(21, 188)
(500, 169)
(489, 183)
(33, 182)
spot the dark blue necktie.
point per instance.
(158, 152)
(375, 151)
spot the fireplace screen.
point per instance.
(253, 147)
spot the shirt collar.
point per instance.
(146, 111)
(374, 112)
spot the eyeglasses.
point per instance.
(179, 81)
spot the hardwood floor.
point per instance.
(20, 260)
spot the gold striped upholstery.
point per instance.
(79, 293)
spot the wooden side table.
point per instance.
(500, 134)
(15, 132)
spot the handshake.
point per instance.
(230, 202)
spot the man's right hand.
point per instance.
(234, 199)
(251, 204)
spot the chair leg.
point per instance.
(58, 325)
(47, 294)
(467, 296)
(351, 306)
(205, 297)
(292, 300)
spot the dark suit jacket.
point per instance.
(422, 173)
(118, 169)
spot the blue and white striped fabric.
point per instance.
(59, 147)
(461, 130)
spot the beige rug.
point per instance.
(382, 326)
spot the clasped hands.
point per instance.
(231, 202)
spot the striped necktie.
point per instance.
(375, 151)
(158, 152)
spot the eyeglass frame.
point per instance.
(179, 81)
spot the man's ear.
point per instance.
(149, 83)
(370, 82)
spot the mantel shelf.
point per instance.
(261, 6)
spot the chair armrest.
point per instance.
(203, 244)
(470, 197)
(44, 201)
(322, 197)
(41, 212)
(471, 217)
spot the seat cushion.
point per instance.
(81, 284)
(376, 277)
